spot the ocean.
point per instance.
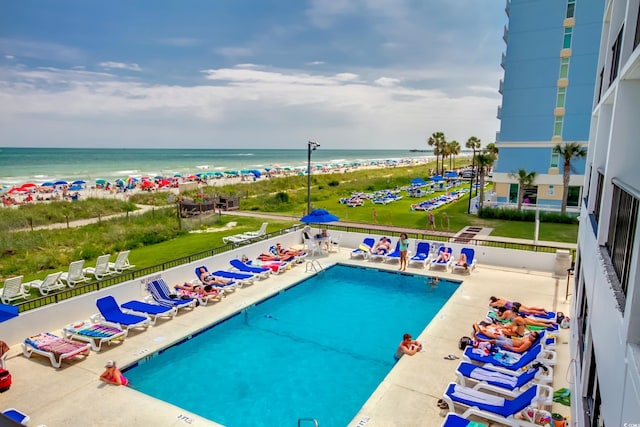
(38, 165)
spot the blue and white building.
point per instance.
(547, 91)
(605, 341)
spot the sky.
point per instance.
(353, 74)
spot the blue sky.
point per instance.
(248, 73)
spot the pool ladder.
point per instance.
(313, 420)
(313, 265)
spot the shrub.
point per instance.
(525, 215)
(333, 183)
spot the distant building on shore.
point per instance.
(605, 335)
(547, 92)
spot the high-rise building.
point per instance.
(605, 336)
(547, 92)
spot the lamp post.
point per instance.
(473, 172)
(311, 146)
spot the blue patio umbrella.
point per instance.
(255, 172)
(319, 216)
(101, 181)
(418, 181)
(79, 182)
(75, 187)
(47, 184)
(61, 182)
(451, 174)
(437, 178)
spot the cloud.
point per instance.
(120, 65)
(40, 50)
(386, 81)
(9, 57)
(316, 63)
(244, 106)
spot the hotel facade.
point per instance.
(547, 92)
(605, 334)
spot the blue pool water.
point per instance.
(317, 350)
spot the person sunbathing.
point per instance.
(382, 247)
(513, 329)
(444, 255)
(462, 261)
(200, 290)
(518, 345)
(504, 313)
(208, 279)
(500, 302)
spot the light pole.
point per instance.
(311, 146)
(473, 172)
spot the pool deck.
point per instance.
(73, 395)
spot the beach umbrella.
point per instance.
(255, 173)
(319, 216)
(418, 181)
(164, 182)
(218, 174)
(451, 174)
(17, 190)
(47, 184)
(147, 184)
(101, 181)
(75, 187)
(177, 175)
(79, 182)
(437, 178)
(61, 182)
(28, 185)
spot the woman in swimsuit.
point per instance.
(112, 375)
(404, 248)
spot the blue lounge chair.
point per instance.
(160, 293)
(154, 311)
(444, 262)
(110, 312)
(455, 420)
(261, 272)
(422, 256)
(364, 249)
(471, 261)
(509, 360)
(17, 416)
(230, 286)
(240, 278)
(393, 256)
(483, 378)
(381, 255)
(489, 406)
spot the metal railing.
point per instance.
(391, 231)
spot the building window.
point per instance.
(622, 229)
(573, 196)
(615, 56)
(582, 320)
(600, 80)
(571, 8)
(566, 42)
(562, 94)
(593, 400)
(557, 127)
(596, 205)
(513, 193)
(564, 68)
(555, 160)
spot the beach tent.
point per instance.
(418, 181)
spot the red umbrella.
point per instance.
(28, 185)
(164, 183)
(17, 190)
(147, 184)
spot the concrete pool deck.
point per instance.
(73, 395)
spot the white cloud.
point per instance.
(245, 106)
(387, 81)
(316, 63)
(120, 65)
(40, 50)
(9, 57)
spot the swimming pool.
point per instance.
(317, 350)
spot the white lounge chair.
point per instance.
(17, 416)
(13, 290)
(259, 233)
(49, 284)
(121, 264)
(334, 244)
(75, 274)
(55, 348)
(101, 269)
(95, 334)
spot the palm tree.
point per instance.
(436, 141)
(568, 151)
(484, 162)
(474, 144)
(454, 149)
(492, 149)
(525, 179)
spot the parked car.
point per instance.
(468, 174)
